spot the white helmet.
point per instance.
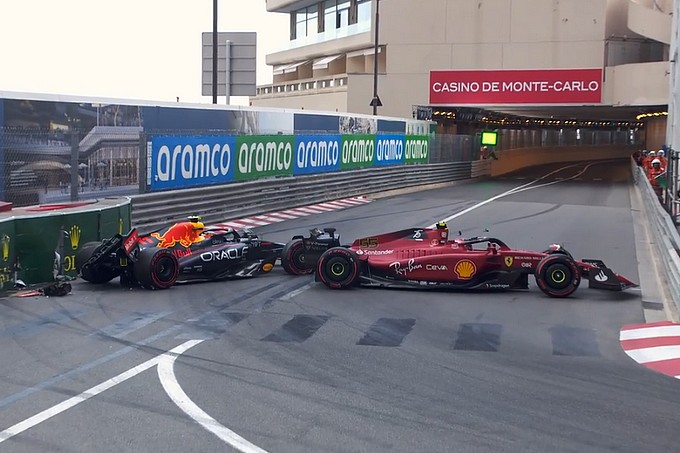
(661, 153)
(652, 153)
(656, 161)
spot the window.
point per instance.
(330, 11)
(363, 11)
(343, 14)
(304, 22)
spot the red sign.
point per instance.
(533, 86)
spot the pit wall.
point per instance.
(516, 159)
(38, 243)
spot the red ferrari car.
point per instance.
(424, 257)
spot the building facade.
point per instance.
(328, 61)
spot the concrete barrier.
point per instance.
(37, 243)
(516, 159)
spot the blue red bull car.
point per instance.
(427, 258)
(182, 252)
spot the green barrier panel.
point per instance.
(417, 149)
(45, 243)
(357, 151)
(264, 156)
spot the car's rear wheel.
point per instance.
(557, 275)
(338, 268)
(156, 268)
(293, 258)
(97, 273)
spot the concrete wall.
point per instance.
(513, 160)
(637, 84)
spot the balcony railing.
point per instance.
(334, 82)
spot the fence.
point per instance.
(664, 231)
(68, 163)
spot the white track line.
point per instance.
(166, 374)
(515, 190)
(87, 394)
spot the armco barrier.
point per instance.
(37, 243)
(664, 233)
(224, 202)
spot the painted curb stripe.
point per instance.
(643, 343)
(654, 354)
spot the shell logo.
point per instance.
(465, 269)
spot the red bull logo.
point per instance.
(182, 233)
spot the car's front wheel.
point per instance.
(338, 268)
(557, 275)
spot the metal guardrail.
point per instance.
(666, 238)
(226, 202)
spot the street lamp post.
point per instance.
(214, 54)
(375, 102)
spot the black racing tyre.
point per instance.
(156, 268)
(338, 268)
(97, 274)
(557, 275)
(293, 258)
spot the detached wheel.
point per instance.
(293, 258)
(156, 268)
(557, 275)
(97, 274)
(338, 268)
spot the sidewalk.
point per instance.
(88, 193)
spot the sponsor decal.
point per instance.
(74, 236)
(465, 269)
(389, 149)
(179, 253)
(529, 258)
(183, 233)
(358, 151)
(542, 86)
(601, 277)
(434, 242)
(375, 252)
(368, 242)
(5, 247)
(403, 269)
(226, 254)
(497, 285)
(317, 154)
(527, 265)
(131, 241)
(417, 235)
(416, 149)
(183, 161)
(263, 156)
(508, 260)
(436, 267)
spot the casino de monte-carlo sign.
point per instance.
(532, 86)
